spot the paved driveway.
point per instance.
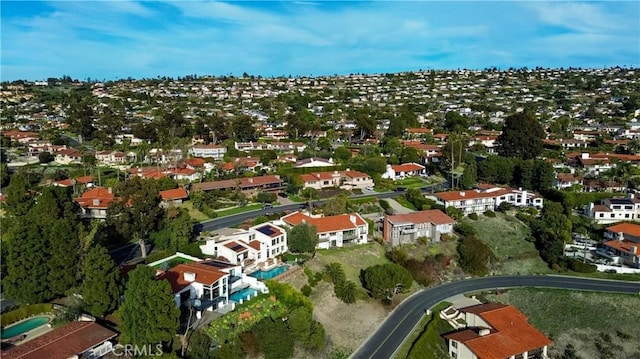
(398, 208)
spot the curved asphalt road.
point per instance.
(388, 337)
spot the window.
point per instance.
(626, 215)
(613, 215)
(454, 344)
(601, 215)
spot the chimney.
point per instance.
(96, 202)
(462, 194)
(620, 236)
(110, 190)
(585, 155)
(250, 180)
(634, 250)
(483, 332)
(304, 221)
(189, 277)
(352, 218)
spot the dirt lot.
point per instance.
(347, 325)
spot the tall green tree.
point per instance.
(384, 281)
(521, 137)
(243, 128)
(342, 154)
(101, 283)
(18, 198)
(4, 174)
(335, 205)
(469, 176)
(474, 256)
(149, 314)
(303, 238)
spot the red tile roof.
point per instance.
(510, 333)
(418, 130)
(337, 223)
(98, 197)
(64, 183)
(626, 228)
(62, 343)
(195, 162)
(85, 179)
(464, 195)
(204, 274)
(625, 246)
(408, 167)
(601, 208)
(434, 216)
(171, 194)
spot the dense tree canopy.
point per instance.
(149, 314)
(384, 281)
(521, 137)
(303, 238)
(101, 283)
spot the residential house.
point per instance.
(249, 185)
(68, 156)
(567, 180)
(612, 210)
(115, 157)
(204, 286)
(486, 198)
(158, 156)
(333, 231)
(622, 244)
(417, 132)
(565, 144)
(406, 228)
(495, 330)
(397, 172)
(183, 173)
(216, 152)
(429, 153)
(173, 197)
(78, 339)
(314, 162)
(254, 248)
(94, 202)
(344, 179)
(593, 165)
(240, 164)
(488, 141)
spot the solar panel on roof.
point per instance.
(621, 201)
(237, 248)
(266, 230)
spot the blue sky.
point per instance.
(122, 38)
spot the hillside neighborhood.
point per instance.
(266, 217)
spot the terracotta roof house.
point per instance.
(406, 228)
(496, 331)
(333, 231)
(94, 202)
(567, 180)
(82, 339)
(404, 170)
(173, 197)
(258, 183)
(622, 244)
(485, 198)
(344, 179)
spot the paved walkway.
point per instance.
(397, 207)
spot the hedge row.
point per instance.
(24, 312)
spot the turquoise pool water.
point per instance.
(242, 294)
(273, 272)
(23, 327)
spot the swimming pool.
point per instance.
(243, 294)
(273, 272)
(23, 327)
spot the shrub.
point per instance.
(384, 204)
(579, 266)
(532, 211)
(445, 237)
(464, 229)
(504, 206)
(473, 216)
(306, 290)
(335, 273)
(474, 256)
(346, 291)
(490, 213)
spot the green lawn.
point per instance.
(361, 200)
(426, 341)
(412, 182)
(353, 259)
(236, 210)
(507, 238)
(580, 318)
(194, 213)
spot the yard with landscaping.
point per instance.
(412, 182)
(508, 239)
(597, 325)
